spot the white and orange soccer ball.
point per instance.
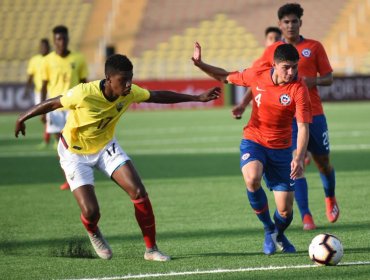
(325, 249)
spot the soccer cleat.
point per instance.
(284, 245)
(64, 186)
(153, 254)
(100, 245)
(269, 247)
(308, 223)
(332, 209)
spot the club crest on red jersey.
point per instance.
(284, 99)
(306, 52)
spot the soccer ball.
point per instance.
(325, 249)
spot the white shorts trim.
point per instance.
(55, 121)
(79, 168)
(36, 97)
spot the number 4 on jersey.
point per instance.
(258, 99)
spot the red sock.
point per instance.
(46, 137)
(91, 227)
(145, 218)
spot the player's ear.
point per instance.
(300, 23)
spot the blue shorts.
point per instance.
(276, 164)
(318, 143)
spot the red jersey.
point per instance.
(312, 60)
(274, 107)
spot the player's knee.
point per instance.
(285, 213)
(324, 167)
(253, 182)
(138, 193)
(91, 213)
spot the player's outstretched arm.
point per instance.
(41, 108)
(297, 164)
(213, 71)
(239, 109)
(168, 97)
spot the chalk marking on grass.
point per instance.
(215, 271)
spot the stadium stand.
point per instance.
(348, 41)
(24, 23)
(159, 34)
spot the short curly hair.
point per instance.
(289, 9)
(117, 63)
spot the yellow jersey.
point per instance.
(63, 73)
(92, 118)
(34, 68)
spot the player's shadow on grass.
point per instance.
(79, 247)
(45, 169)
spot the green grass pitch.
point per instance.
(189, 163)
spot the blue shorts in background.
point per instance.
(318, 143)
(276, 164)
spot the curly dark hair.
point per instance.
(289, 9)
(117, 63)
(60, 29)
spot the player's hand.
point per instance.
(43, 118)
(211, 94)
(19, 127)
(310, 82)
(296, 168)
(238, 111)
(197, 54)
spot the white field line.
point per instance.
(215, 271)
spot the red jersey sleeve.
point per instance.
(303, 104)
(243, 78)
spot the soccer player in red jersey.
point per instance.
(265, 150)
(314, 68)
(87, 142)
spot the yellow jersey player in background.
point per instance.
(62, 69)
(34, 78)
(88, 142)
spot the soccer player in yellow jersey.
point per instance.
(34, 78)
(62, 69)
(88, 142)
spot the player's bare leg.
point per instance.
(90, 215)
(327, 175)
(128, 179)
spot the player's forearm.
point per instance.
(326, 80)
(302, 140)
(213, 71)
(41, 108)
(247, 97)
(169, 97)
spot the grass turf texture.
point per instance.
(189, 163)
